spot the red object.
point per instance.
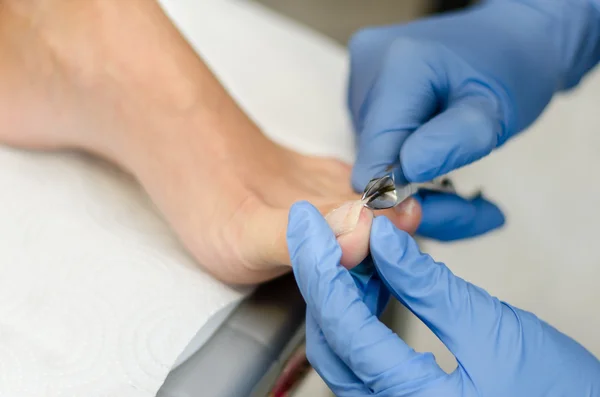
(294, 371)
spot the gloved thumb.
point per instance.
(401, 123)
(350, 326)
(403, 97)
(467, 130)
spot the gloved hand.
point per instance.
(501, 350)
(440, 93)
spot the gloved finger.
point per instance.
(364, 344)
(447, 217)
(465, 317)
(336, 374)
(466, 131)
(401, 100)
(340, 379)
(370, 288)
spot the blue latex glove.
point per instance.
(442, 92)
(501, 350)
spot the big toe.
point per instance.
(351, 224)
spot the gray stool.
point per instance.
(245, 355)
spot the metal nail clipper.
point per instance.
(383, 192)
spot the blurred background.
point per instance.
(339, 19)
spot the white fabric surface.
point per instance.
(97, 298)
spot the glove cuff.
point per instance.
(579, 24)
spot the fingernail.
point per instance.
(407, 207)
(344, 219)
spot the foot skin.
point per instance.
(116, 79)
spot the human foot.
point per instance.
(233, 218)
(117, 79)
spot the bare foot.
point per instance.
(117, 79)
